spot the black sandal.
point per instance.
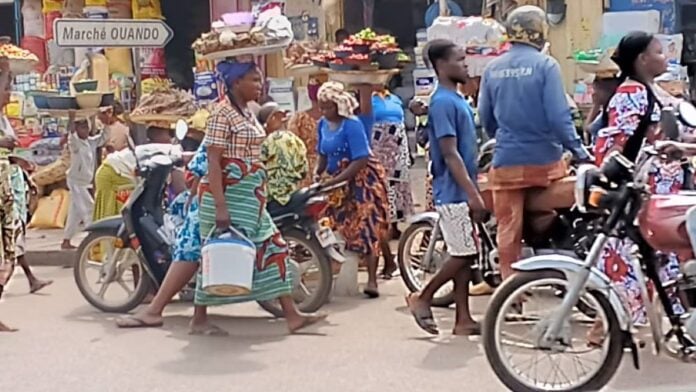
(424, 318)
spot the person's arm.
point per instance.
(558, 114)
(359, 152)
(593, 127)
(5, 77)
(321, 156)
(216, 140)
(485, 109)
(365, 92)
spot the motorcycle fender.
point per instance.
(571, 267)
(427, 217)
(335, 255)
(112, 223)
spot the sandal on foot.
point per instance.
(129, 322)
(207, 330)
(371, 293)
(424, 317)
(308, 321)
(473, 330)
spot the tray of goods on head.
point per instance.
(364, 57)
(164, 105)
(238, 34)
(21, 60)
(306, 58)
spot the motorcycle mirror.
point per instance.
(687, 113)
(181, 129)
(668, 124)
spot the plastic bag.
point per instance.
(146, 9)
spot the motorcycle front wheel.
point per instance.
(315, 279)
(413, 245)
(100, 268)
(577, 361)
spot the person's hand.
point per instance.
(418, 107)
(71, 115)
(478, 210)
(668, 147)
(8, 142)
(316, 177)
(222, 218)
(4, 65)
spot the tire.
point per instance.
(323, 292)
(137, 298)
(413, 286)
(607, 369)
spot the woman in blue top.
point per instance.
(360, 209)
(390, 145)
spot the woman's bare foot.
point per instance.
(5, 328)
(206, 329)
(66, 245)
(140, 320)
(302, 321)
(36, 285)
(471, 328)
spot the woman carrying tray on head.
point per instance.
(233, 194)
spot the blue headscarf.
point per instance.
(230, 70)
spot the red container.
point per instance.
(36, 45)
(49, 18)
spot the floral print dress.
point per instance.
(625, 110)
(285, 157)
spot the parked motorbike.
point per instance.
(619, 193)
(312, 244)
(132, 251)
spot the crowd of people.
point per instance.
(243, 156)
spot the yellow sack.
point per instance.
(95, 3)
(51, 211)
(52, 5)
(146, 9)
(120, 61)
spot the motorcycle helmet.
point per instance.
(527, 25)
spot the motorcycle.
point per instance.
(135, 247)
(421, 250)
(619, 193)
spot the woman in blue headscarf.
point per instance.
(233, 194)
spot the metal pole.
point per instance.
(18, 20)
(444, 9)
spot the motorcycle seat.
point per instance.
(297, 200)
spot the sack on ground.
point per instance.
(51, 211)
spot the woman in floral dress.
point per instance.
(632, 116)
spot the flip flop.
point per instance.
(424, 318)
(371, 293)
(208, 330)
(40, 286)
(308, 321)
(130, 322)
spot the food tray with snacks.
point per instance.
(251, 50)
(79, 113)
(21, 60)
(376, 77)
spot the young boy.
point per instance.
(83, 152)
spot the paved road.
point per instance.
(64, 345)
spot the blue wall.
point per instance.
(666, 8)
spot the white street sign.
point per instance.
(111, 33)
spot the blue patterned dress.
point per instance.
(188, 238)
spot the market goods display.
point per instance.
(364, 51)
(596, 61)
(483, 38)
(300, 54)
(164, 104)
(235, 36)
(21, 60)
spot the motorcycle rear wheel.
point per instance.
(322, 293)
(142, 288)
(523, 282)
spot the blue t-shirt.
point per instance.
(450, 115)
(389, 109)
(349, 141)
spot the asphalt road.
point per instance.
(64, 345)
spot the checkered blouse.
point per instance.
(239, 135)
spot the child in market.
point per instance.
(83, 152)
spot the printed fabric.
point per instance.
(390, 147)
(285, 157)
(305, 127)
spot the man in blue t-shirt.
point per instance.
(453, 153)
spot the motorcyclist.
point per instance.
(522, 104)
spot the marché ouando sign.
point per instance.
(111, 33)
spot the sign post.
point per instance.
(113, 33)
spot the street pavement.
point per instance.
(64, 345)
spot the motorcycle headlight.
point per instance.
(585, 178)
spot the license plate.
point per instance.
(326, 237)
